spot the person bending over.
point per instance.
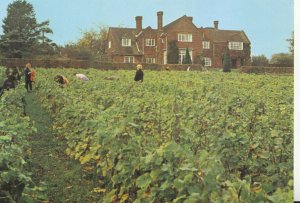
(62, 80)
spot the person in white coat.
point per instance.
(82, 77)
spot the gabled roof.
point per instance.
(117, 35)
(177, 21)
(147, 29)
(218, 35)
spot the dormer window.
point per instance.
(205, 44)
(185, 37)
(235, 45)
(126, 42)
(150, 42)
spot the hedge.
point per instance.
(56, 63)
(264, 70)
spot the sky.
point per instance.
(267, 23)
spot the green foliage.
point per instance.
(260, 60)
(14, 130)
(172, 53)
(173, 140)
(282, 59)
(22, 34)
(74, 51)
(91, 46)
(291, 42)
(226, 62)
(187, 59)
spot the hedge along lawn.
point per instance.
(178, 136)
(2, 75)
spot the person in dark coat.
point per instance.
(9, 83)
(27, 74)
(139, 75)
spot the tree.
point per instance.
(226, 61)
(260, 60)
(282, 59)
(21, 32)
(73, 51)
(47, 46)
(187, 59)
(173, 53)
(95, 41)
(291, 42)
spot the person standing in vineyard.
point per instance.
(139, 75)
(27, 73)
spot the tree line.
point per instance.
(24, 37)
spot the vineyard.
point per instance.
(176, 137)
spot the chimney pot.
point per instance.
(216, 23)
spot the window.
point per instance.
(205, 45)
(126, 42)
(128, 59)
(182, 55)
(150, 60)
(109, 44)
(207, 61)
(150, 42)
(235, 45)
(185, 37)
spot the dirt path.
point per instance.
(65, 179)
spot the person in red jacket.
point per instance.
(32, 75)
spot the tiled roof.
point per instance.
(176, 21)
(129, 33)
(218, 35)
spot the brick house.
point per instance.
(148, 45)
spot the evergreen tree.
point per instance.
(46, 46)
(173, 53)
(187, 59)
(21, 32)
(226, 61)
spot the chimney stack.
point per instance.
(159, 20)
(216, 23)
(138, 20)
(191, 19)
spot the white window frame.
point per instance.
(185, 37)
(150, 60)
(150, 42)
(128, 59)
(235, 45)
(182, 55)
(206, 45)
(126, 42)
(109, 44)
(207, 61)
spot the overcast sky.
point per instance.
(267, 23)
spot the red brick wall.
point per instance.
(149, 51)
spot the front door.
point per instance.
(165, 57)
(233, 63)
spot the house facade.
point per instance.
(205, 45)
